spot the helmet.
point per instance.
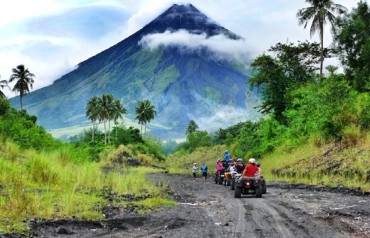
(195, 163)
(252, 160)
(239, 160)
(226, 151)
(219, 159)
(258, 164)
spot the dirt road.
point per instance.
(207, 209)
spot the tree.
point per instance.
(145, 112)
(353, 46)
(198, 139)
(3, 84)
(92, 113)
(319, 12)
(24, 81)
(192, 126)
(118, 111)
(275, 76)
(104, 109)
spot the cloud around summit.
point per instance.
(221, 46)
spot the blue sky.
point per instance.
(50, 37)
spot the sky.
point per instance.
(50, 37)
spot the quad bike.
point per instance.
(227, 180)
(220, 176)
(247, 185)
(234, 178)
(263, 184)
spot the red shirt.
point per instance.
(250, 170)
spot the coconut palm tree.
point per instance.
(145, 112)
(319, 12)
(92, 113)
(192, 126)
(106, 108)
(24, 81)
(118, 111)
(3, 84)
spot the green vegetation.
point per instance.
(24, 81)
(145, 112)
(315, 127)
(43, 178)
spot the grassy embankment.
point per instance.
(346, 164)
(44, 185)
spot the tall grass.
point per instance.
(49, 185)
(182, 162)
(333, 164)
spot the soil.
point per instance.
(206, 209)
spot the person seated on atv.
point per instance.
(251, 169)
(227, 157)
(239, 166)
(259, 169)
(219, 166)
(232, 168)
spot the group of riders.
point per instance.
(237, 166)
(232, 166)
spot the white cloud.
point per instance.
(221, 46)
(261, 23)
(222, 117)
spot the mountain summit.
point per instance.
(179, 17)
(182, 61)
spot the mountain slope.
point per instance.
(183, 83)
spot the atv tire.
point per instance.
(259, 191)
(238, 192)
(264, 189)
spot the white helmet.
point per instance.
(252, 161)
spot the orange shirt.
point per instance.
(250, 170)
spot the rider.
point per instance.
(239, 166)
(259, 169)
(251, 169)
(232, 167)
(219, 166)
(227, 157)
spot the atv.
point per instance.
(220, 176)
(234, 178)
(263, 184)
(227, 180)
(247, 185)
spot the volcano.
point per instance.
(179, 61)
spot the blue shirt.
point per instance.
(227, 158)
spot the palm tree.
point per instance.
(319, 12)
(106, 108)
(92, 112)
(118, 111)
(145, 112)
(191, 127)
(24, 80)
(3, 84)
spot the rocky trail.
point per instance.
(206, 209)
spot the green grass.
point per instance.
(181, 162)
(328, 164)
(50, 186)
(315, 162)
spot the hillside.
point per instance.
(182, 83)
